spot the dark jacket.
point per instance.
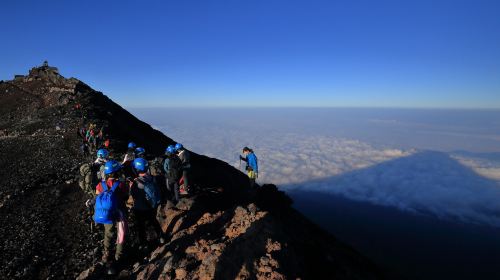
(139, 194)
(185, 159)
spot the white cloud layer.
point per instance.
(460, 188)
(488, 168)
(457, 186)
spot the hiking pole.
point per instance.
(92, 232)
(91, 222)
(89, 209)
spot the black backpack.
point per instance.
(155, 167)
(174, 168)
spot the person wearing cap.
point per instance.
(252, 166)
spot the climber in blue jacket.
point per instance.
(252, 167)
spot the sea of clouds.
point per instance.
(300, 155)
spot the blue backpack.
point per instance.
(106, 204)
(152, 192)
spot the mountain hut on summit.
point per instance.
(44, 71)
(41, 72)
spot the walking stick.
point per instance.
(91, 222)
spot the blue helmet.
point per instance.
(140, 164)
(132, 145)
(140, 151)
(178, 146)
(102, 153)
(170, 149)
(111, 166)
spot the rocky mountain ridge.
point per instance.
(226, 231)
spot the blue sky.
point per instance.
(264, 53)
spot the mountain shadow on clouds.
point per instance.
(425, 182)
(444, 231)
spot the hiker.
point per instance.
(140, 152)
(185, 158)
(251, 167)
(129, 155)
(82, 132)
(78, 108)
(84, 148)
(102, 137)
(99, 139)
(110, 210)
(168, 153)
(102, 158)
(90, 136)
(128, 159)
(87, 133)
(106, 143)
(172, 166)
(92, 172)
(146, 196)
(158, 174)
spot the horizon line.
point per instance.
(317, 107)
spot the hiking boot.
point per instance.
(108, 264)
(111, 269)
(105, 257)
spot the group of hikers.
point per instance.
(92, 138)
(141, 186)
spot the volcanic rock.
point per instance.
(223, 231)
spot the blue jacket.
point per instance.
(251, 160)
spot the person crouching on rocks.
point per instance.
(110, 210)
(146, 196)
(252, 167)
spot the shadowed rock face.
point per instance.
(226, 231)
(247, 241)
